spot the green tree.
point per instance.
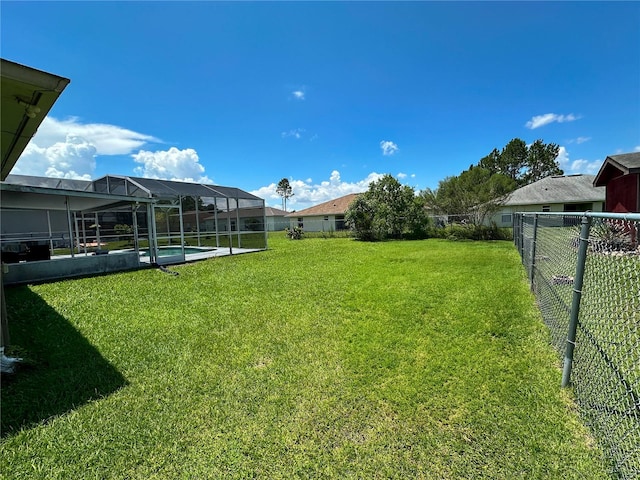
(387, 210)
(522, 163)
(417, 219)
(513, 159)
(476, 193)
(490, 194)
(541, 162)
(285, 190)
(359, 218)
(189, 204)
(492, 162)
(447, 198)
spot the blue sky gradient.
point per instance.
(328, 94)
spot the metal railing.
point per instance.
(584, 270)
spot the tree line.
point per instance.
(391, 210)
(476, 192)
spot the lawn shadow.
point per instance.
(61, 369)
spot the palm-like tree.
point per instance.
(285, 190)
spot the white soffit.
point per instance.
(27, 95)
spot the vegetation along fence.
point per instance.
(584, 270)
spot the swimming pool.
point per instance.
(170, 251)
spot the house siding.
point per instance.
(622, 194)
(317, 223)
(324, 217)
(277, 223)
(498, 217)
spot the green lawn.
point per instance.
(320, 358)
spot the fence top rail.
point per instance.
(616, 216)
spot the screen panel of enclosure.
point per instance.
(168, 235)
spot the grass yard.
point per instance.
(321, 358)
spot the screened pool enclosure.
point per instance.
(55, 228)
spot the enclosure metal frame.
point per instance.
(114, 192)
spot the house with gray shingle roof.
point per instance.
(620, 176)
(556, 193)
(324, 217)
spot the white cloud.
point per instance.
(108, 139)
(541, 120)
(637, 149)
(579, 140)
(68, 148)
(576, 166)
(298, 94)
(72, 158)
(173, 164)
(295, 133)
(585, 166)
(388, 147)
(563, 157)
(307, 194)
(401, 175)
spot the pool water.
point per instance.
(169, 251)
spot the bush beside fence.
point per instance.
(584, 270)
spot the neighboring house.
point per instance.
(253, 219)
(620, 176)
(276, 220)
(325, 217)
(557, 193)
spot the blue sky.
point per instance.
(330, 95)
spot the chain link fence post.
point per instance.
(575, 302)
(534, 240)
(587, 285)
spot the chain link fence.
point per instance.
(584, 270)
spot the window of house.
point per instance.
(326, 218)
(546, 208)
(506, 218)
(300, 222)
(578, 207)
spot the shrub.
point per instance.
(123, 230)
(388, 210)
(471, 232)
(359, 218)
(610, 237)
(294, 233)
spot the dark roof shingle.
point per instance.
(630, 161)
(557, 189)
(617, 165)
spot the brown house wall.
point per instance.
(622, 194)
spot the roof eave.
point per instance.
(34, 93)
(601, 179)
